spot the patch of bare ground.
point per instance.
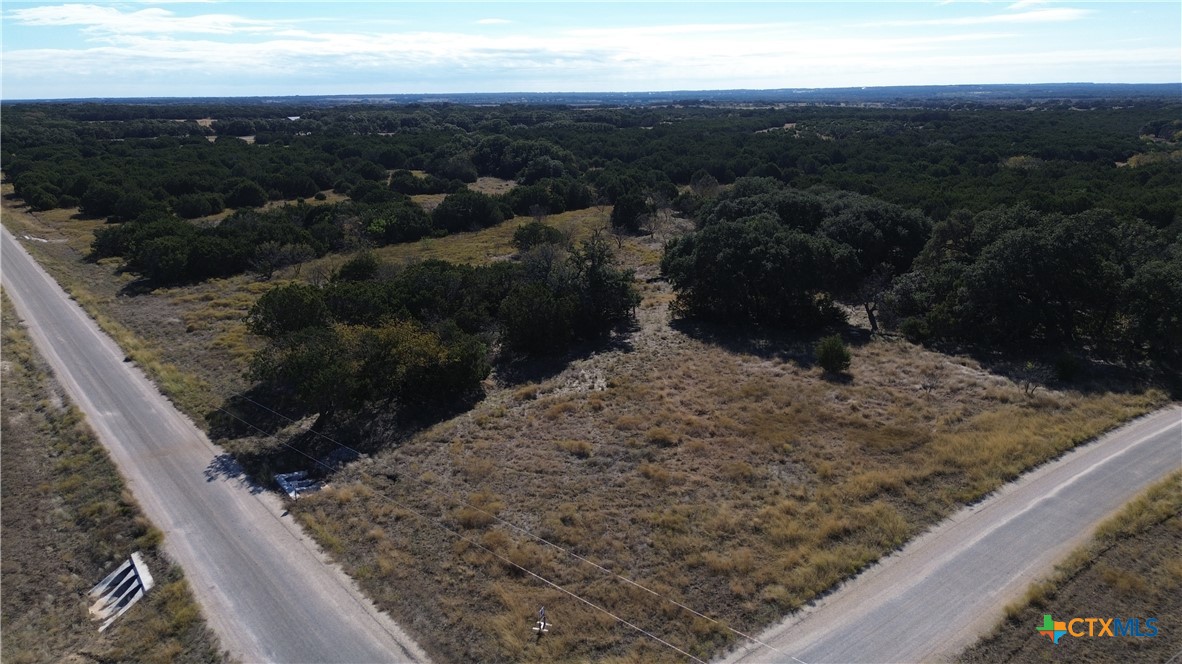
(1131, 569)
(428, 201)
(66, 522)
(492, 186)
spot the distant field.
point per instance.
(67, 522)
(725, 473)
(1131, 568)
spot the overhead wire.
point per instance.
(545, 541)
(480, 546)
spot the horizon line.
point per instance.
(592, 92)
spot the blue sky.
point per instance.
(138, 49)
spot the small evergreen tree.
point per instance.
(832, 354)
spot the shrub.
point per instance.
(534, 319)
(661, 437)
(362, 267)
(914, 330)
(534, 233)
(578, 448)
(287, 309)
(832, 354)
(628, 211)
(246, 193)
(467, 210)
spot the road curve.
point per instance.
(942, 591)
(265, 588)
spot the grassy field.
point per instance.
(67, 521)
(726, 474)
(742, 483)
(1131, 568)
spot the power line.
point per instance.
(475, 543)
(543, 540)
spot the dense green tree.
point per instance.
(130, 206)
(606, 294)
(163, 260)
(192, 206)
(757, 270)
(466, 211)
(246, 194)
(535, 233)
(1151, 297)
(317, 364)
(1016, 277)
(399, 221)
(536, 319)
(288, 309)
(39, 199)
(362, 267)
(99, 200)
(629, 211)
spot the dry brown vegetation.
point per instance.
(742, 484)
(729, 475)
(67, 521)
(1131, 568)
(199, 327)
(492, 186)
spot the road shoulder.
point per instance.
(67, 521)
(1132, 568)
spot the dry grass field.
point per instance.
(1131, 568)
(728, 475)
(67, 521)
(741, 483)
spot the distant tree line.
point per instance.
(935, 161)
(1004, 227)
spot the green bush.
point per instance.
(535, 319)
(914, 329)
(528, 236)
(467, 211)
(288, 309)
(832, 354)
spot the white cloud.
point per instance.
(95, 19)
(1023, 4)
(622, 54)
(149, 50)
(1054, 15)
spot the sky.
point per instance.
(181, 49)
